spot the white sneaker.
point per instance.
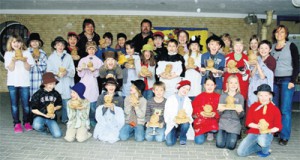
(210, 137)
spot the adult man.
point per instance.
(142, 38)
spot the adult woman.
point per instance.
(286, 71)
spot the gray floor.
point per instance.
(33, 145)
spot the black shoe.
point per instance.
(283, 142)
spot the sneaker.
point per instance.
(210, 137)
(182, 143)
(261, 154)
(27, 126)
(18, 128)
(283, 142)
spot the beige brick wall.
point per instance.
(50, 26)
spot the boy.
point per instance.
(156, 106)
(120, 46)
(42, 102)
(108, 38)
(214, 44)
(160, 49)
(263, 120)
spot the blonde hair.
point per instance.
(15, 38)
(238, 41)
(230, 78)
(137, 90)
(159, 84)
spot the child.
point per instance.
(183, 38)
(227, 48)
(230, 111)
(264, 49)
(135, 110)
(253, 45)
(18, 62)
(214, 43)
(241, 60)
(78, 114)
(159, 47)
(263, 119)
(175, 122)
(147, 73)
(193, 65)
(205, 112)
(110, 120)
(106, 46)
(120, 46)
(156, 106)
(174, 63)
(36, 72)
(72, 49)
(88, 70)
(111, 87)
(131, 68)
(44, 103)
(61, 64)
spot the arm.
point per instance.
(70, 68)
(141, 109)
(295, 64)
(42, 64)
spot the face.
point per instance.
(72, 41)
(264, 50)
(238, 48)
(110, 88)
(280, 34)
(110, 62)
(59, 47)
(133, 89)
(34, 44)
(227, 42)
(89, 29)
(233, 84)
(121, 42)
(147, 55)
(74, 95)
(49, 86)
(184, 90)
(172, 48)
(16, 44)
(194, 47)
(159, 91)
(91, 51)
(214, 47)
(264, 97)
(107, 41)
(182, 38)
(158, 41)
(129, 50)
(254, 44)
(209, 86)
(145, 28)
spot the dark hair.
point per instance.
(227, 35)
(280, 27)
(253, 37)
(146, 21)
(173, 41)
(151, 61)
(210, 77)
(86, 21)
(72, 34)
(186, 33)
(121, 35)
(265, 42)
(130, 43)
(108, 35)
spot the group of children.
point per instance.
(158, 94)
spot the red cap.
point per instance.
(183, 83)
(158, 33)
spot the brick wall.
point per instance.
(50, 26)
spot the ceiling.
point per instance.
(281, 7)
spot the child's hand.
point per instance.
(239, 109)
(24, 59)
(50, 117)
(13, 59)
(221, 108)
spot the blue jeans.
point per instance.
(40, 124)
(283, 99)
(127, 131)
(93, 107)
(148, 94)
(253, 143)
(16, 93)
(200, 139)
(225, 139)
(160, 134)
(64, 113)
(181, 130)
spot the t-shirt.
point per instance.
(153, 106)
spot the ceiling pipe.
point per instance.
(268, 22)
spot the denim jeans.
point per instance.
(16, 93)
(40, 124)
(253, 143)
(148, 94)
(226, 140)
(200, 139)
(64, 113)
(283, 99)
(127, 131)
(93, 107)
(160, 134)
(181, 130)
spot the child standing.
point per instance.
(120, 46)
(205, 112)
(17, 62)
(36, 72)
(227, 48)
(229, 123)
(253, 45)
(72, 49)
(78, 114)
(61, 64)
(45, 102)
(263, 119)
(178, 115)
(159, 47)
(156, 106)
(88, 70)
(183, 38)
(135, 111)
(106, 46)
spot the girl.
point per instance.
(183, 38)
(192, 72)
(229, 123)
(253, 45)
(36, 72)
(72, 49)
(120, 46)
(148, 61)
(61, 64)
(88, 70)
(78, 114)
(205, 112)
(131, 68)
(17, 62)
(135, 111)
(228, 44)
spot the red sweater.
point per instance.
(272, 116)
(203, 124)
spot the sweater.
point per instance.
(140, 111)
(153, 106)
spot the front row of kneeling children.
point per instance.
(165, 119)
